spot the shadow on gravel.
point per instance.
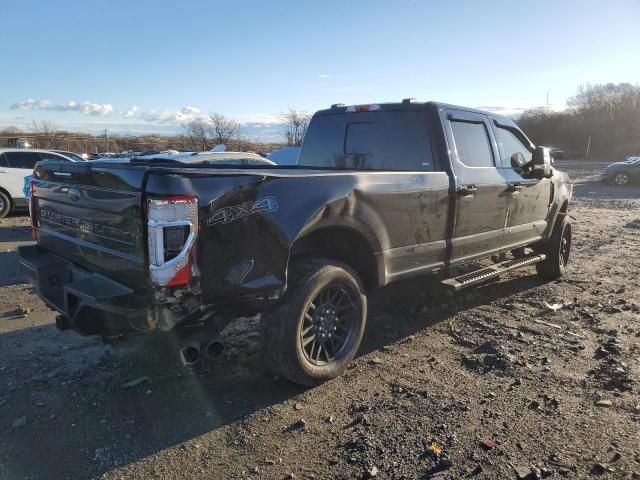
(91, 407)
(10, 271)
(19, 233)
(403, 309)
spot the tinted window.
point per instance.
(72, 156)
(52, 156)
(3, 160)
(508, 144)
(368, 140)
(472, 144)
(22, 159)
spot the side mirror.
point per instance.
(541, 163)
(518, 160)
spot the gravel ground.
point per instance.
(515, 379)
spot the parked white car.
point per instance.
(285, 156)
(16, 164)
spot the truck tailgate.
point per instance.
(92, 216)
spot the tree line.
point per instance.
(601, 121)
(200, 134)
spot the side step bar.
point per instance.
(478, 276)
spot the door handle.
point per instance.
(467, 191)
(514, 187)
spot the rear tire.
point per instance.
(5, 204)
(557, 250)
(315, 332)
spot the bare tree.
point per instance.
(46, 134)
(222, 129)
(197, 131)
(294, 126)
(607, 117)
(8, 133)
(10, 130)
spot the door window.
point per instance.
(3, 160)
(472, 143)
(25, 160)
(508, 145)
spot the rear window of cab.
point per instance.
(380, 140)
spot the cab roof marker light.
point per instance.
(363, 108)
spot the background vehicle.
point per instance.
(380, 193)
(15, 166)
(623, 173)
(70, 155)
(285, 156)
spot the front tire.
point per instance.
(557, 250)
(315, 332)
(5, 205)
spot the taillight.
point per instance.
(172, 230)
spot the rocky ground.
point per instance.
(515, 379)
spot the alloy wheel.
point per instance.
(329, 324)
(621, 179)
(565, 246)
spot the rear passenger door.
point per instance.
(480, 186)
(528, 198)
(19, 166)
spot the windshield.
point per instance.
(71, 155)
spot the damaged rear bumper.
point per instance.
(88, 302)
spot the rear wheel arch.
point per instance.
(343, 244)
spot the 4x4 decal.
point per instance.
(235, 212)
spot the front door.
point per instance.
(529, 198)
(481, 188)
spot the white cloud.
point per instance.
(262, 118)
(184, 115)
(87, 108)
(154, 116)
(131, 112)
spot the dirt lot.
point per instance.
(546, 375)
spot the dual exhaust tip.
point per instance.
(194, 351)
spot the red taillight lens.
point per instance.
(363, 108)
(172, 230)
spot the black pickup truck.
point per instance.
(381, 193)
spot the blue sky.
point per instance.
(151, 65)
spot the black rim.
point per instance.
(329, 324)
(565, 246)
